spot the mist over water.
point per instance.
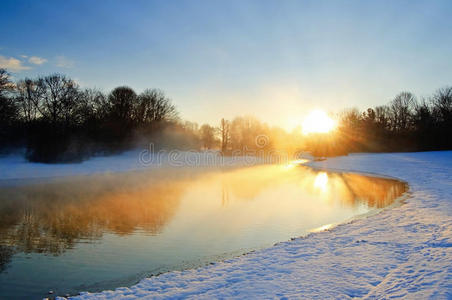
(104, 231)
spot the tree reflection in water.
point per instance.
(347, 188)
(52, 217)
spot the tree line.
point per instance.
(56, 120)
(405, 124)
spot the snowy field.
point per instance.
(402, 252)
(16, 167)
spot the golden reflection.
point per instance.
(322, 228)
(52, 217)
(321, 181)
(345, 188)
(294, 164)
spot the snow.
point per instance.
(404, 251)
(14, 167)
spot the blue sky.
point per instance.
(273, 59)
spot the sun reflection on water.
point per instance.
(321, 181)
(176, 216)
(294, 163)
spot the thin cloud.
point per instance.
(64, 62)
(12, 63)
(37, 60)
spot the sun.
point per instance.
(318, 122)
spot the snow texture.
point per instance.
(405, 251)
(16, 167)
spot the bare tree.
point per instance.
(382, 114)
(58, 98)
(402, 109)
(207, 134)
(28, 95)
(422, 118)
(5, 83)
(350, 119)
(122, 101)
(442, 104)
(225, 135)
(8, 109)
(93, 104)
(191, 126)
(154, 106)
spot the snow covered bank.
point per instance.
(402, 252)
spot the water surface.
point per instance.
(100, 232)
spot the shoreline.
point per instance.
(233, 277)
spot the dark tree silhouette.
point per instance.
(154, 106)
(402, 108)
(442, 113)
(56, 120)
(58, 99)
(5, 83)
(8, 111)
(28, 95)
(122, 103)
